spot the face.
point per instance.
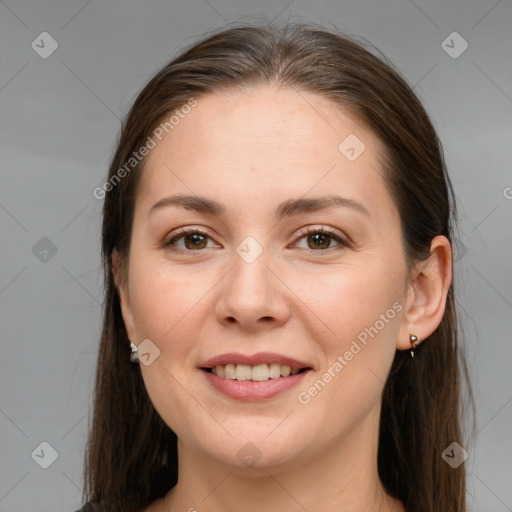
(293, 264)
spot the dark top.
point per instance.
(87, 508)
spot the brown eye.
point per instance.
(319, 241)
(187, 240)
(195, 241)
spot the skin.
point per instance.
(302, 297)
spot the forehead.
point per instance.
(251, 143)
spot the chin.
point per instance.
(255, 448)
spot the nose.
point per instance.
(253, 296)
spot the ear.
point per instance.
(428, 288)
(120, 273)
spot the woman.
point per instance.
(277, 248)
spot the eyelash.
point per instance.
(304, 232)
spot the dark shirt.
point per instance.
(87, 508)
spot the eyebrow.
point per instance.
(285, 209)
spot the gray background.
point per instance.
(60, 118)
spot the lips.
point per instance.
(256, 377)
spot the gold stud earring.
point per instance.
(413, 339)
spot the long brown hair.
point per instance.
(131, 456)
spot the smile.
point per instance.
(258, 373)
(257, 377)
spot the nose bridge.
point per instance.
(252, 291)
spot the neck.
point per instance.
(343, 477)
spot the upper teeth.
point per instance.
(258, 373)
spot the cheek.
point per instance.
(356, 322)
(348, 302)
(167, 305)
(356, 327)
(165, 300)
